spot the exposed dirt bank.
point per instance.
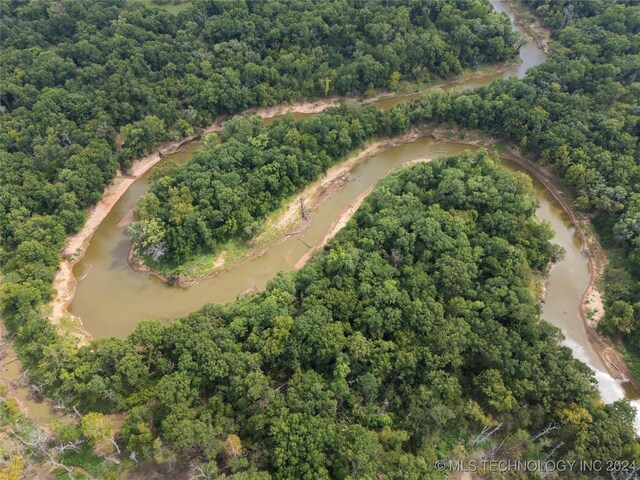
(321, 105)
(530, 23)
(341, 221)
(289, 222)
(591, 299)
(65, 282)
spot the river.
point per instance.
(111, 298)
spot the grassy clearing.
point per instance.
(96, 466)
(233, 250)
(170, 7)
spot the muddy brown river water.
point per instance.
(111, 298)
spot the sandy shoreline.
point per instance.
(313, 195)
(591, 297)
(65, 282)
(534, 28)
(609, 355)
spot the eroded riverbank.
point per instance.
(65, 282)
(297, 242)
(293, 249)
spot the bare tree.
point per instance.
(115, 444)
(40, 443)
(303, 211)
(396, 257)
(22, 380)
(72, 445)
(554, 450)
(206, 471)
(76, 411)
(156, 250)
(550, 428)
(485, 434)
(65, 140)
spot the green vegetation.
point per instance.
(578, 113)
(412, 331)
(415, 328)
(89, 85)
(13, 453)
(28, 450)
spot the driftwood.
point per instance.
(305, 243)
(304, 211)
(9, 361)
(88, 272)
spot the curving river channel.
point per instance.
(111, 298)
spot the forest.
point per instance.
(577, 113)
(416, 327)
(89, 85)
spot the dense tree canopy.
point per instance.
(88, 85)
(415, 328)
(577, 113)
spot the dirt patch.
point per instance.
(304, 107)
(591, 298)
(76, 246)
(335, 178)
(290, 221)
(219, 262)
(65, 282)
